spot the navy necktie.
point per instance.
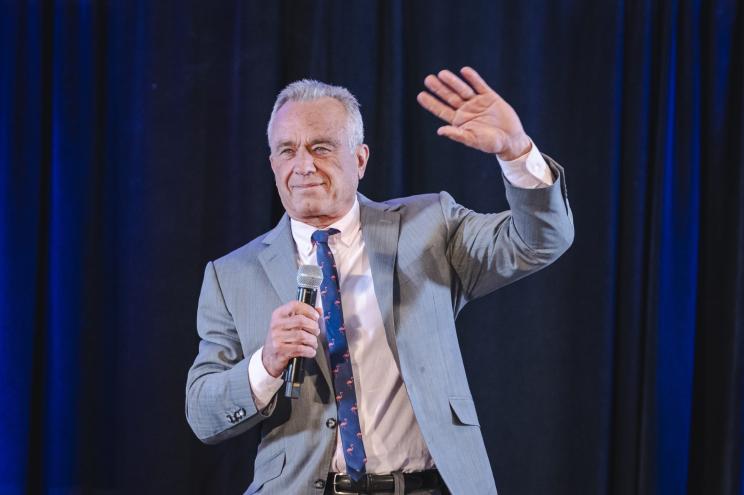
(338, 347)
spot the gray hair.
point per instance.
(308, 90)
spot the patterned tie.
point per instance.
(343, 378)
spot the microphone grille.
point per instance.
(309, 277)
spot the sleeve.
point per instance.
(263, 385)
(488, 251)
(529, 171)
(219, 401)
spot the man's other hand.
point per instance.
(293, 332)
(477, 116)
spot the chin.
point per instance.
(310, 209)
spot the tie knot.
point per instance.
(322, 236)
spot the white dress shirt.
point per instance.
(391, 435)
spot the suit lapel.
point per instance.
(380, 226)
(279, 261)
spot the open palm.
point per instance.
(476, 115)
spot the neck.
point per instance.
(319, 222)
(323, 221)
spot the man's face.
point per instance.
(316, 172)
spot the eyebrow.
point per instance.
(324, 140)
(320, 140)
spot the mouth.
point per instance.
(306, 187)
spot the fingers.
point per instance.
(295, 316)
(475, 80)
(435, 106)
(464, 91)
(297, 308)
(294, 322)
(293, 332)
(444, 92)
(300, 322)
(293, 351)
(287, 331)
(451, 92)
(298, 337)
(450, 89)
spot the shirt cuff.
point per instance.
(263, 385)
(529, 171)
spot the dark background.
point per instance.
(132, 151)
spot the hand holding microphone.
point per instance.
(293, 332)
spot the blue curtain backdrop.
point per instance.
(132, 151)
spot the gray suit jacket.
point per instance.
(429, 256)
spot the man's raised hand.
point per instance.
(476, 115)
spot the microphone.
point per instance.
(309, 278)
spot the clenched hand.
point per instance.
(293, 332)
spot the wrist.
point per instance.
(267, 365)
(518, 146)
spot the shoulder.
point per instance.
(426, 211)
(248, 255)
(245, 253)
(430, 205)
(422, 219)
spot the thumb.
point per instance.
(454, 133)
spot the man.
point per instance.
(385, 405)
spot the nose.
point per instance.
(304, 164)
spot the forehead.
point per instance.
(301, 120)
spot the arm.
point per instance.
(220, 399)
(219, 403)
(488, 251)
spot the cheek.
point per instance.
(344, 176)
(281, 176)
(351, 178)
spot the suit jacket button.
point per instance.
(331, 423)
(319, 484)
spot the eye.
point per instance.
(286, 152)
(321, 150)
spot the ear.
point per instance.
(362, 155)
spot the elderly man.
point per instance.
(385, 405)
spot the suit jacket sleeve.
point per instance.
(488, 251)
(219, 403)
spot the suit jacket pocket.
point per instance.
(266, 471)
(463, 411)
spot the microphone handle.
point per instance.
(295, 373)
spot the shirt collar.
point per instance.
(348, 226)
